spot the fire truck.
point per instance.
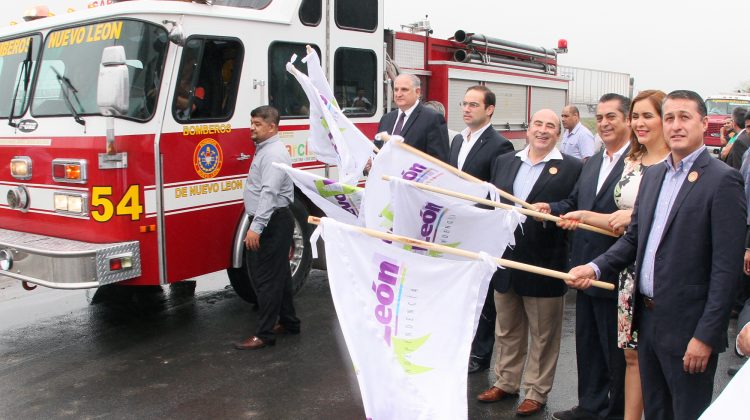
(125, 139)
(720, 107)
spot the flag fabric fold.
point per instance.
(450, 221)
(333, 139)
(398, 162)
(408, 321)
(337, 200)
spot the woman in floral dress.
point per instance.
(647, 147)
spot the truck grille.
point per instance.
(713, 129)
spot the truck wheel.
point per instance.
(300, 253)
(239, 278)
(300, 258)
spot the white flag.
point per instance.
(339, 201)
(397, 162)
(333, 138)
(408, 322)
(733, 399)
(450, 221)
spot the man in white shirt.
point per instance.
(601, 364)
(577, 140)
(473, 151)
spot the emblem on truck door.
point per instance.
(208, 158)
(27, 126)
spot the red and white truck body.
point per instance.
(152, 194)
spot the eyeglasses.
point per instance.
(472, 105)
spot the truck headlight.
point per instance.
(20, 167)
(71, 203)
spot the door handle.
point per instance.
(243, 156)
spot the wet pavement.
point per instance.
(167, 353)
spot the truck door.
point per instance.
(206, 150)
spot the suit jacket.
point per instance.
(425, 130)
(538, 243)
(483, 153)
(699, 260)
(734, 158)
(587, 245)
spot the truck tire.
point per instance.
(239, 278)
(300, 258)
(300, 253)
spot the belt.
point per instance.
(648, 302)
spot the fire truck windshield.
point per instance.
(73, 55)
(725, 106)
(17, 63)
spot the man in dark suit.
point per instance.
(473, 151)
(420, 127)
(601, 364)
(738, 146)
(686, 238)
(531, 305)
(476, 147)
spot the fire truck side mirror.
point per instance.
(113, 86)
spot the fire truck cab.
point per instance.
(127, 141)
(720, 107)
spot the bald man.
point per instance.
(577, 140)
(530, 306)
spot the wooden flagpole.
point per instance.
(466, 254)
(462, 174)
(486, 202)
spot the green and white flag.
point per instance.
(408, 322)
(338, 201)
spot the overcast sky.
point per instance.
(664, 44)
(707, 52)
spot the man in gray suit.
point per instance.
(686, 238)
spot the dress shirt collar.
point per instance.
(408, 111)
(686, 163)
(617, 154)
(554, 154)
(475, 135)
(268, 141)
(574, 130)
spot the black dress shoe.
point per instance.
(476, 366)
(280, 329)
(575, 413)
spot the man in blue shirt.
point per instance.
(577, 140)
(686, 238)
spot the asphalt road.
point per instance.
(126, 353)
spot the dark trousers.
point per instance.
(668, 391)
(601, 364)
(271, 276)
(484, 339)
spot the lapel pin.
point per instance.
(693, 176)
(552, 170)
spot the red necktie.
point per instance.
(399, 124)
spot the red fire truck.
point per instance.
(720, 107)
(126, 137)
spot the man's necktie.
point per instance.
(399, 124)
